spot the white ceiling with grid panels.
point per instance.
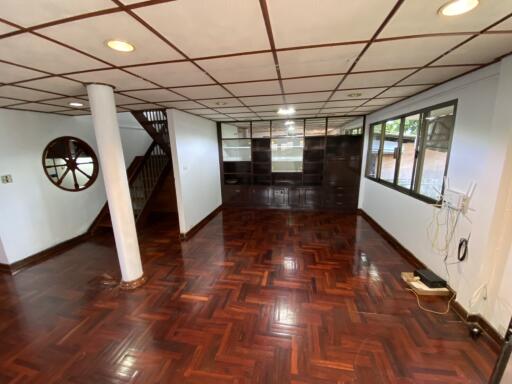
(241, 59)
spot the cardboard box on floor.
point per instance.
(420, 288)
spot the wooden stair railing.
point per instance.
(146, 173)
(155, 123)
(153, 169)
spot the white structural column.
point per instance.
(108, 139)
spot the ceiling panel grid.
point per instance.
(243, 59)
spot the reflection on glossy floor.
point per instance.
(254, 297)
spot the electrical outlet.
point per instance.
(454, 199)
(6, 179)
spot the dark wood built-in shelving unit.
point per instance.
(330, 174)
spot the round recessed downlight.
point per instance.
(76, 104)
(221, 103)
(120, 46)
(355, 94)
(458, 7)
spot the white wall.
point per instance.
(497, 270)
(478, 152)
(135, 139)
(3, 255)
(195, 157)
(35, 214)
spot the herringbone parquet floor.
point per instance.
(253, 297)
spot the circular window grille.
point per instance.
(70, 163)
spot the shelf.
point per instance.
(237, 173)
(261, 168)
(233, 167)
(287, 159)
(262, 179)
(237, 179)
(291, 146)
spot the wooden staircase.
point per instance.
(146, 173)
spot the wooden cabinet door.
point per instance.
(313, 197)
(235, 195)
(341, 198)
(295, 197)
(279, 197)
(260, 196)
(342, 172)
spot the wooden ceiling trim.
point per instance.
(10, 107)
(165, 40)
(444, 54)
(268, 27)
(16, 101)
(427, 89)
(73, 49)
(87, 15)
(263, 5)
(110, 65)
(66, 74)
(40, 90)
(351, 116)
(367, 46)
(273, 94)
(27, 67)
(158, 87)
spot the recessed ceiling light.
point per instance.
(286, 111)
(119, 45)
(221, 103)
(76, 104)
(355, 94)
(289, 122)
(458, 7)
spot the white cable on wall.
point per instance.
(446, 218)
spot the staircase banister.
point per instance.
(138, 168)
(144, 211)
(148, 125)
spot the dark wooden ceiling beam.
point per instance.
(474, 36)
(270, 34)
(120, 7)
(366, 47)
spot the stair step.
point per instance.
(148, 174)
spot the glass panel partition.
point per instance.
(287, 154)
(288, 128)
(315, 127)
(236, 150)
(236, 130)
(260, 129)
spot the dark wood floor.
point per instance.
(253, 297)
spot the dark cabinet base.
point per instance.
(290, 197)
(329, 179)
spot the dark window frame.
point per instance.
(71, 163)
(413, 191)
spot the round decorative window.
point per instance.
(70, 163)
